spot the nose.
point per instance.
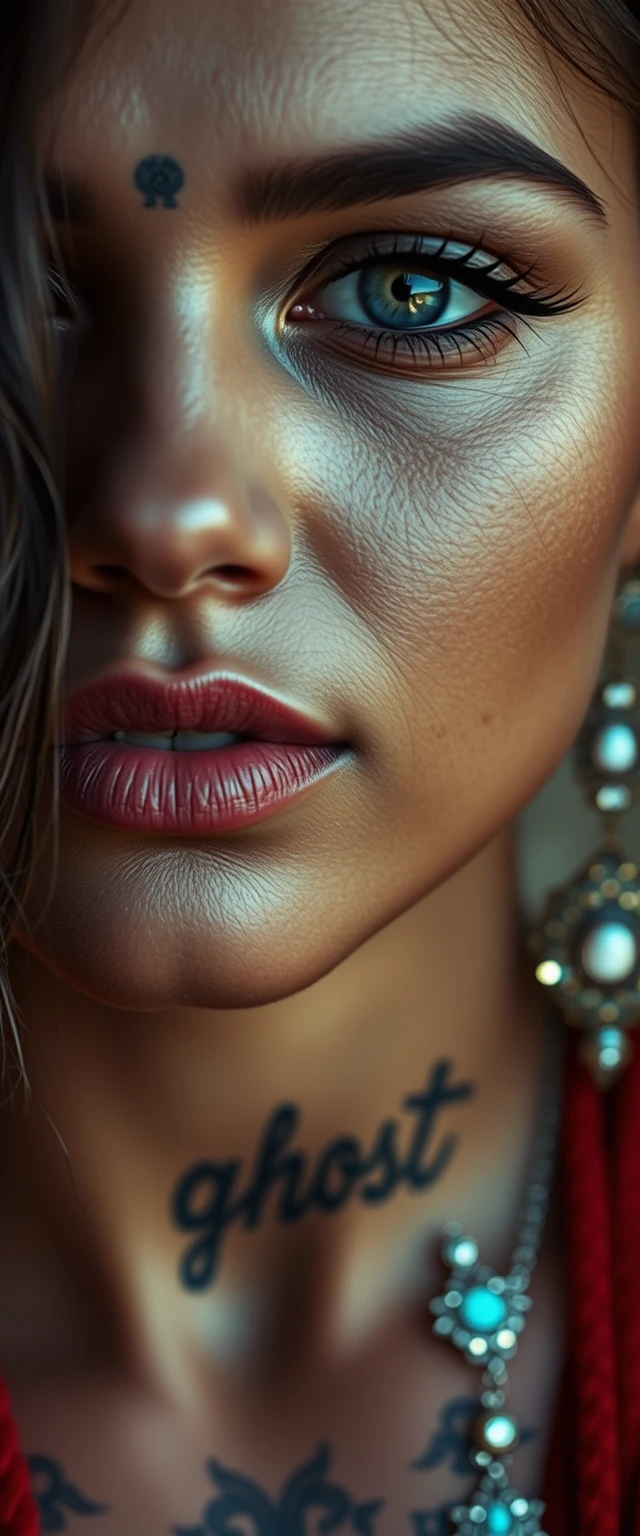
(176, 520)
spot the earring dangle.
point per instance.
(587, 952)
(587, 945)
(587, 949)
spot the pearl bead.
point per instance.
(614, 797)
(609, 953)
(619, 695)
(610, 1045)
(482, 1310)
(506, 1338)
(605, 1052)
(615, 749)
(549, 972)
(500, 1432)
(463, 1252)
(496, 1431)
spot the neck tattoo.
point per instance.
(480, 1312)
(206, 1199)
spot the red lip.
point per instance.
(129, 701)
(147, 789)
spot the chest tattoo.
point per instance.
(310, 1492)
(56, 1496)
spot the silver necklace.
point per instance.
(484, 1314)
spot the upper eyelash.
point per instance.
(533, 303)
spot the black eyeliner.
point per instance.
(535, 303)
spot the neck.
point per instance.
(265, 1185)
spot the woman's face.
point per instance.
(407, 517)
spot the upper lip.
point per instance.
(217, 701)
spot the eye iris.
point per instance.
(396, 297)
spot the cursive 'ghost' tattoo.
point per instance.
(205, 1200)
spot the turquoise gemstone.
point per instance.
(499, 1519)
(482, 1310)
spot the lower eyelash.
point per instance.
(478, 336)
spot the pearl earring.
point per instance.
(587, 945)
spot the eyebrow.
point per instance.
(436, 155)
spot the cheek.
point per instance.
(479, 550)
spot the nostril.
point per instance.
(236, 575)
(229, 575)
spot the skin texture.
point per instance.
(423, 558)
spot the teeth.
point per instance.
(144, 739)
(194, 741)
(178, 741)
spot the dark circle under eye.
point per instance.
(395, 296)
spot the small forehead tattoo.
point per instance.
(159, 177)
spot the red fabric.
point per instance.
(591, 1337)
(592, 1475)
(591, 1484)
(18, 1512)
(626, 1268)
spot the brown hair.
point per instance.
(41, 42)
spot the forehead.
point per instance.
(258, 75)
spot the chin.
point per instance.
(221, 981)
(180, 926)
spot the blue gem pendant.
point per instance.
(480, 1312)
(498, 1509)
(483, 1314)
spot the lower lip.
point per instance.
(146, 789)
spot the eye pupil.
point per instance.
(396, 297)
(409, 288)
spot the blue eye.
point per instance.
(392, 293)
(403, 300)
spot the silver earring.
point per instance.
(587, 945)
